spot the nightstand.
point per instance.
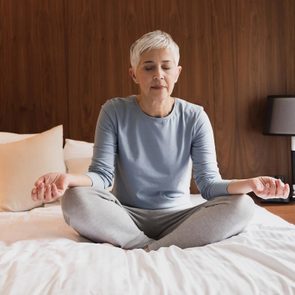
(285, 211)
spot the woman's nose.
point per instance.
(158, 75)
(158, 78)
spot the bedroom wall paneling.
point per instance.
(250, 62)
(60, 60)
(33, 82)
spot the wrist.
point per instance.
(241, 186)
(253, 183)
(78, 180)
(249, 184)
(70, 179)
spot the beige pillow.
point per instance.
(77, 155)
(78, 166)
(23, 162)
(6, 137)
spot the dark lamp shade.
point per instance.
(280, 115)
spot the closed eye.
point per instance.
(152, 68)
(148, 68)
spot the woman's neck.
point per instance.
(156, 108)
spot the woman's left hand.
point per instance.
(266, 187)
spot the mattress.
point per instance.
(41, 254)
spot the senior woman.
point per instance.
(146, 143)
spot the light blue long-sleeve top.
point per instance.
(150, 158)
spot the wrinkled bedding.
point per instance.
(41, 254)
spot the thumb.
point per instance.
(259, 187)
(39, 181)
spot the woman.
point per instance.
(147, 143)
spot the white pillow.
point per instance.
(6, 137)
(77, 155)
(23, 162)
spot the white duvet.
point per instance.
(40, 254)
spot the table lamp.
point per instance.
(280, 120)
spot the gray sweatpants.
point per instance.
(99, 216)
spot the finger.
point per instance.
(259, 187)
(264, 192)
(34, 194)
(271, 187)
(39, 181)
(267, 193)
(286, 191)
(261, 190)
(54, 191)
(40, 192)
(47, 193)
(267, 189)
(279, 188)
(48, 179)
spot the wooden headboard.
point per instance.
(60, 60)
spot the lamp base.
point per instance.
(276, 200)
(290, 199)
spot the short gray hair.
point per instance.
(152, 40)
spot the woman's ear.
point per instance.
(132, 75)
(179, 68)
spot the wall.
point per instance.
(61, 59)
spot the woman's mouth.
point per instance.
(158, 87)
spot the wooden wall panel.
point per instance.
(60, 60)
(224, 86)
(249, 65)
(32, 65)
(97, 60)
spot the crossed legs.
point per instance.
(100, 217)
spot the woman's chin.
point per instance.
(160, 95)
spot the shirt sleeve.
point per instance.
(101, 170)
(205, 169)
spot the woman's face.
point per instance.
(156, 74)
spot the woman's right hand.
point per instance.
(50, 187)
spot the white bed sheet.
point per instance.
(40, 254)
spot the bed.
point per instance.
(41, 254)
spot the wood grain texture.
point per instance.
(283, 210)
(248, 67)
(60, 60)
(32, 65)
